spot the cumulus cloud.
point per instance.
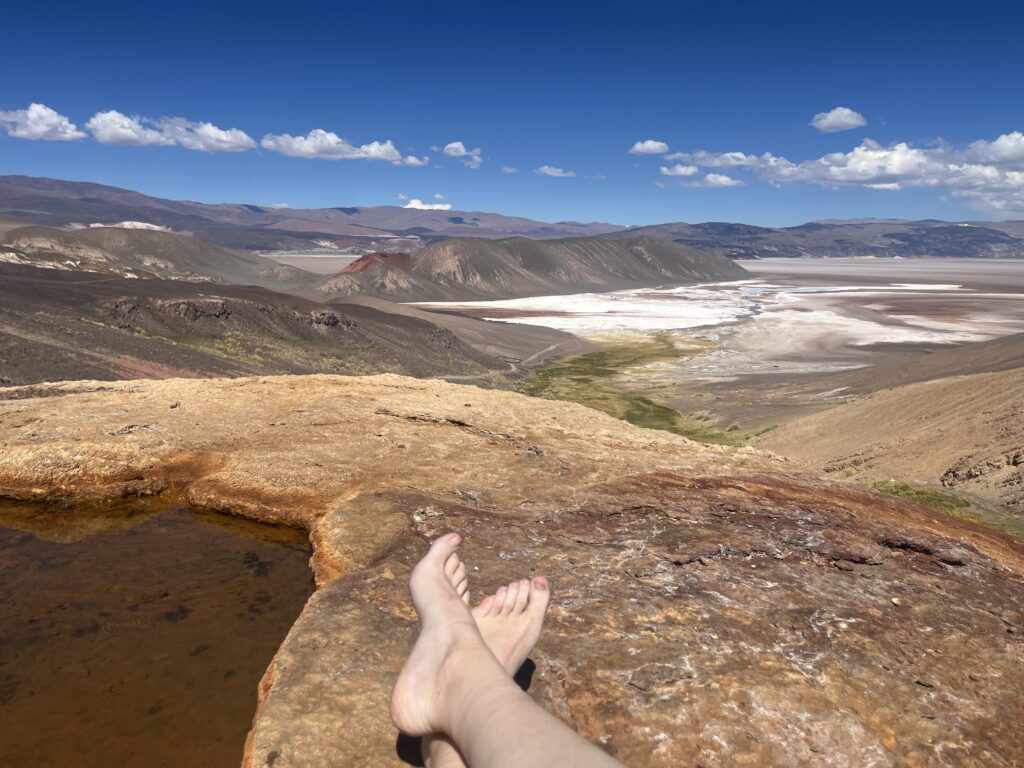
(327, 145)
(838, 119)
(113, 127)
(472, 158)
(649, 147)
(678, 170)
(419, 205)
(988, 173)
(413, 161)
(438, 196)
(716, 180)
(550, 170)
(39, 123)
(1008, 148)
(509, 169)
(205, 137)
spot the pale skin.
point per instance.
(457, 681)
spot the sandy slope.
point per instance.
(965, 432)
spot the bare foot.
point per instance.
(510, 621)
(448, 641)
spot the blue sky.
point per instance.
(532, 86)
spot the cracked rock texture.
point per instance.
(711, 606)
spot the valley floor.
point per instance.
(730, 362)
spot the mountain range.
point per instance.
(31, 200)
(253, 227)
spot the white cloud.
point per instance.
(716, 180)
(988, 173)
(472, 157)
(509, 169)
(401, 196)
(39, 123)
(550, 170)
(439, 196)
(113, 127)
(279, 205)
(678, 170)
(649, 147)
(838, 119)
(327, 145)
(1007, 149)
(413, 161)
(715, 159)
(419, 205)
(205, 137)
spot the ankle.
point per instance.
(469, 671)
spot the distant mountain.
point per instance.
(252, 227)
(461, 268)
(863, 237)
(144, 253)
(247, 227)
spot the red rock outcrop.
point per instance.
(372, 260)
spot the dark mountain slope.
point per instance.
(58, 325)
(498, 269)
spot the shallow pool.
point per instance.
(136, 633)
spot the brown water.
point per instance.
(136, 633)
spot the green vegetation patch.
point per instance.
(926, 497)
(950, 504)
(595, 380)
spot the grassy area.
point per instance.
(926, 497)
(596, 380)
(956, 506)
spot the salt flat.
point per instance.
(793, 319)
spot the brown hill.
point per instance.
(499, 269)
(139, 253)
(710, 607)
(962, 432)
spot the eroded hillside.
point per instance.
(461, 268)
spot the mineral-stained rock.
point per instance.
(710, 606)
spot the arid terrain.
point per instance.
(712, 605)
(780, 501)
(751, 362)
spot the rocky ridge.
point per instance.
(463, 268)
(712, 606)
